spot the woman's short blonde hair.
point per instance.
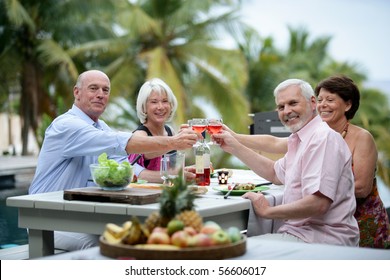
(158, 86)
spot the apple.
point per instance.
(158, 237)
(174, 225)
(234, 234)
(210, 227)
(180, 238)
(190, 230)
(160, 229)
(201, 240)
(220, 237)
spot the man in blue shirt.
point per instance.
(76, 138)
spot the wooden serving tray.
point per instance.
(146, 186)
(118, 251)
(129, 195)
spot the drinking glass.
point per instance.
(214, 126)
(172, 166)
(198, 125)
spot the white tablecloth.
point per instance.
(268, 250)
(257, 225)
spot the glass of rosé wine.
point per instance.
(214, 126)
(198, 125)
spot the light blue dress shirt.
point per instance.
(71, 144)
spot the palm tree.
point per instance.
(263, 60)
(268, 66)
(175, 40)
(31, 29)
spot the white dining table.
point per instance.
(44, 213)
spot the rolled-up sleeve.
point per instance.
(85, 140)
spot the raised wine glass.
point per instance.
(198, 125)
(214, 126)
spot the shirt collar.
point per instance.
(305, 132)
(78, 112)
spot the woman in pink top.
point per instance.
(156, 106)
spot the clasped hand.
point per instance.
(259, 202)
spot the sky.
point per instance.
(359, 28)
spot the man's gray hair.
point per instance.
(306, 89)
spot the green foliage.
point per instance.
(46, 44)
(175, 41)
(36, 40)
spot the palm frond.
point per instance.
(18, 15)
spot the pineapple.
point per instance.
(186, 213)
(176, 202)
(152, 221)
(190, 218)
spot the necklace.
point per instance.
(345, 131)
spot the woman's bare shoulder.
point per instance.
(361, 134)
(360, 138)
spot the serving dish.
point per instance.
(218, 252)
(111, 176)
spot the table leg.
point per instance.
(41, 243)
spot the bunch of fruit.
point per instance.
(177, 234)
(176, 225)
(174, 236)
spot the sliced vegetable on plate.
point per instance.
(241, 188)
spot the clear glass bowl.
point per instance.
(111, 180)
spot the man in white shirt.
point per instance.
(318, 202)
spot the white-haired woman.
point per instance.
(156, 106)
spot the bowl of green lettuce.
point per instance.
(108, 174)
